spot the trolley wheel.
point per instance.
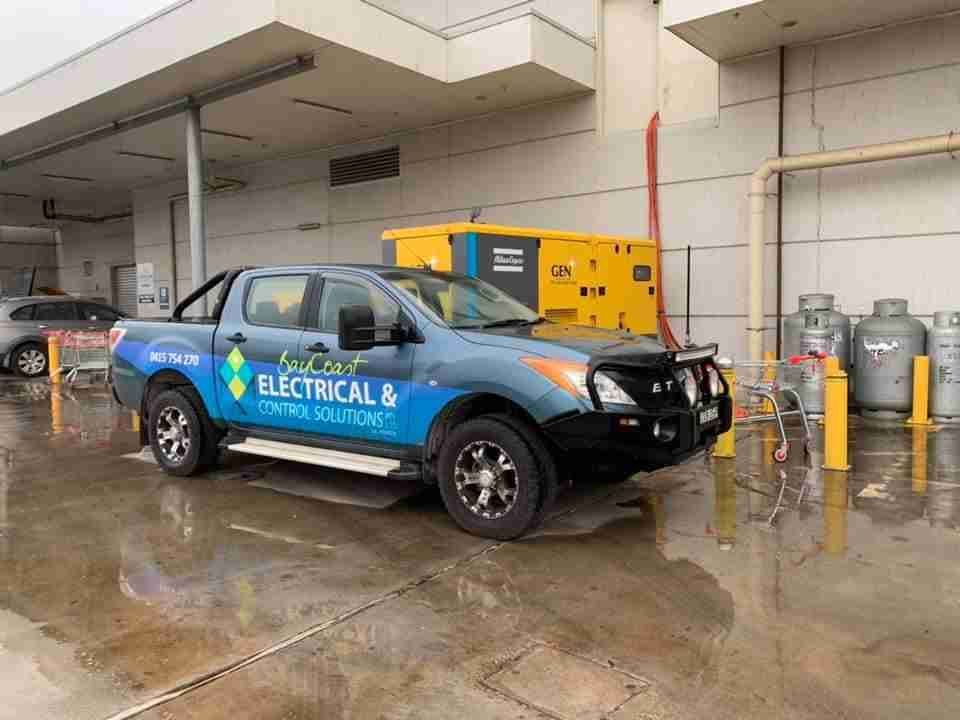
(781, 454)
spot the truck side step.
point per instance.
(367, 464)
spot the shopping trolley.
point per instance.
(87, 352)
(771, 380)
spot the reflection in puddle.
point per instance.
(725, 504)
(6, 480)
(835, 509)
(920, 460)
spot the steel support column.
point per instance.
(196, 203)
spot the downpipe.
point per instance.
(918, 147)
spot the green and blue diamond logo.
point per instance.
(236, 373)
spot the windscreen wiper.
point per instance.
(513, 322)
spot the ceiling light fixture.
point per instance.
(147, 156)
(322, 106)
(224, 133)
(71, 178)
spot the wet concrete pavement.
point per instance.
(271, 591)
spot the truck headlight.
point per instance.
(688, 381)
(609, 391)
(572, 377)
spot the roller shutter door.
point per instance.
(125, 289)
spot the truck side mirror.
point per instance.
(358, 330)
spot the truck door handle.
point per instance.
(237, 338)
(317, 347)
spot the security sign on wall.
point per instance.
(146, 284)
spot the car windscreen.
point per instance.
(459, 301)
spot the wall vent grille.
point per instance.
(353, 169)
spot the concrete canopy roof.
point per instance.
(730, 29)
(383, 73)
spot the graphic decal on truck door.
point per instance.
(321, 396)
(236, 373)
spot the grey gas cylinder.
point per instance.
(884, 347)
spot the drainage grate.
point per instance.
(353, 169)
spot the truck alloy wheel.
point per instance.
(486, 479)
(182, 438)
(173, 435)
(493, 479)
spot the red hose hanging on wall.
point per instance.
(653, 223)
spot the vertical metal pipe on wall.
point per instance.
(196, 202)
(783, 57)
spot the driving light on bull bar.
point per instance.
(688, 380)
(572, 377)
(713, 382)
(665, 430)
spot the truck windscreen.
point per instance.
(458, 301)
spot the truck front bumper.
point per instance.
(645, 439)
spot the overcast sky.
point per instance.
(35, 34)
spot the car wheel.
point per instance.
(181, 435)
(29, 360)
(492, 483)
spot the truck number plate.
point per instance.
(711, 414)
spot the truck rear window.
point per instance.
(276, 300)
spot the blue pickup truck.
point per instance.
(413, 374)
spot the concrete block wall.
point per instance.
(863, 233)
(105, 246)
(22, 247)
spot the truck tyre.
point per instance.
(29, 360)
(182, 438)
(492, 482)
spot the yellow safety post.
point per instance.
(769, 375)
(921, 391)
(135, 421)
(835, 417)
(920, 460)
(835, 512)
(53, 359)
(726, 446)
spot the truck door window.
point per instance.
(275, 300)
(338, 292)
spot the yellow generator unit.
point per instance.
(599, 280)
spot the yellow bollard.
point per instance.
(835, 417)
(835, 513)
(920, 460)
(135, 421)
(53, 359)
(921, 391)
(726, 446)
(769, 375)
